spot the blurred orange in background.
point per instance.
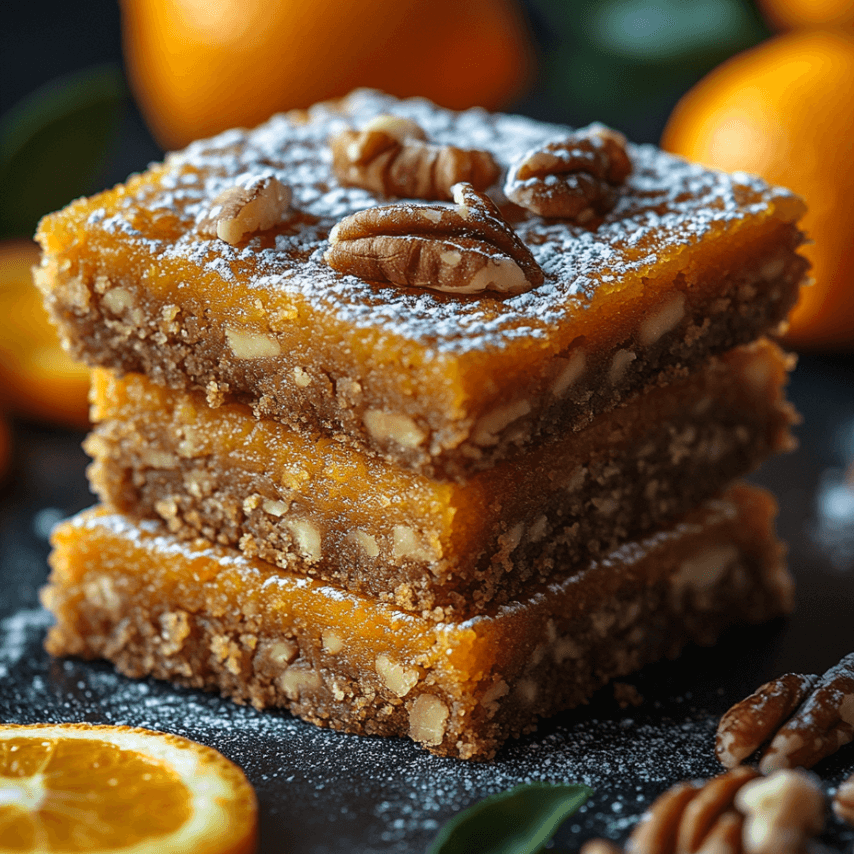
(785, 110)
(788, 14)
(38, 379)
(198, 67)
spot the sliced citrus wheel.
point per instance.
(105, 790)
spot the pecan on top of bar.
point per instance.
(466, 250)
(574, 178)
(391, 156)
(668, 210)
(255, 203)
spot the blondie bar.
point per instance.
(320, 507)
(208, 617)
(221, 271)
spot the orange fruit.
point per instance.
(102, 789)
(785, 110)
(38, 379)
(199, 67)
(786, 14)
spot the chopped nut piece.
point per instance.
(843, 801)
(398, 679)
(307, 538)
(409, 544)
(391, 156)
(575, 178)
(427, 719)
(281, 653)
(295, 682)
(662, 320)
(394, 426)
(805, 718)
(367, 542)
(252, 345)
(463, 250)
(333, 643)
(752, 722)
(782, 811)
(256, 203)
(488, 429)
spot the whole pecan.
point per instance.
(463, 250)
(392, 157)
(804, 717)
(573, 178)
(739, 812)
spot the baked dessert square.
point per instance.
(292, 268)
(208, 617)
(445, 549)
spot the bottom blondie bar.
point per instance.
(208, 617)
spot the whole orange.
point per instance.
(199, 67)
(787, 14)
(785, 110)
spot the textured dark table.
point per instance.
(322, 792)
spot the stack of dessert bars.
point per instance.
(417, 422)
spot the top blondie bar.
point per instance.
(221, 270)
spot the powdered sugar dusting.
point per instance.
(666, 204)
(17, 633)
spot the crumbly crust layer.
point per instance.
(209, 618)
(689, 262)
(445, 549)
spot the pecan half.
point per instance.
(843, 801)
(805, 718)
(574, 178)
(752, 722)
(391, 156)
(738, 812)
(256, 203)
(463, 250)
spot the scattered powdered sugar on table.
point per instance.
(18, 632)
(327, 792)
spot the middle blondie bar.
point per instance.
(317, 506)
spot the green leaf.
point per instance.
(53, 143)
(518, 821)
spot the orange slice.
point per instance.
(38, 379)
(105, 790)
